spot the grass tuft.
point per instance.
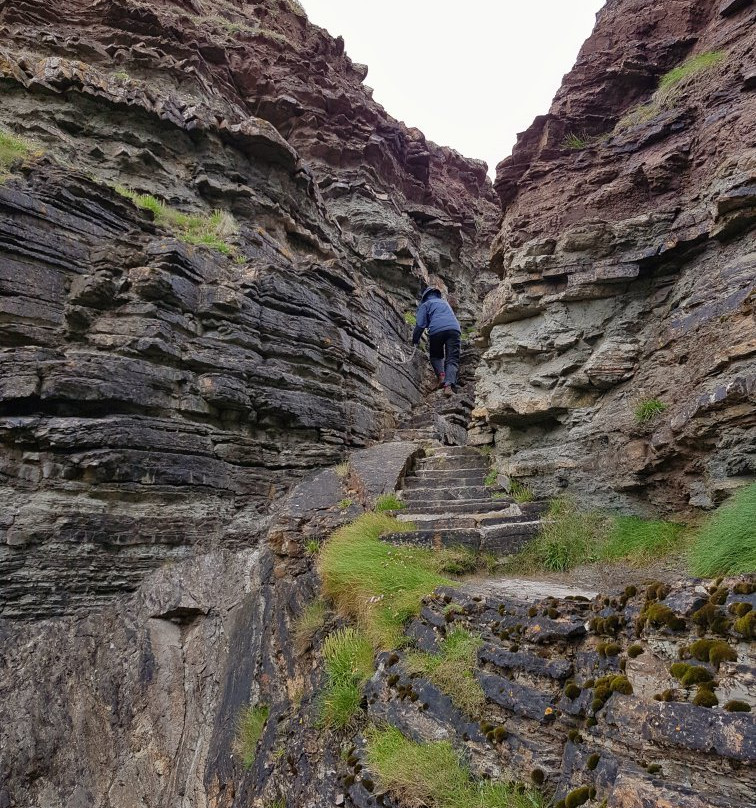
(211, 230)
(631, 537)
(13, 150)
(573, 141)
(348, 655)
(378, 585)
(569, 537)
(312, 618)
(520, 492)
(249, 730)
(726, 543)
(671, 84)
(452, 670)
(388, 502)
(432, 775)
(648, 409)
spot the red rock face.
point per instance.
(627, 265)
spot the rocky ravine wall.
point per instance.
(627, 269)
(154, 396)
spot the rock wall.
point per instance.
(158, 396)
(627, 265)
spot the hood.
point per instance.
(428, 292)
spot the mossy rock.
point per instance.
(705, 698)
(593, 761)
(635, 650)
(577, 797)
(572, 691)
(736, 706)
(740, 608)
(746, 626)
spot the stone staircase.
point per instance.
(447, 500)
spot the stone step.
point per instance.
(450, 464)
(502, 539)
(456, 451)
(422, 491)
(444, 521)
(444, 475)
(443, 484)
(461, 506)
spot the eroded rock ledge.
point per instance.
(627, 269)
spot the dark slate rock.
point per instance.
(531, 663)
(424, 637)
(380, 468)
(519, 699)
(545, 630)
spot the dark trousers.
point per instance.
(444, 350)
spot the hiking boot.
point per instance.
(448, 390)
(441, 379)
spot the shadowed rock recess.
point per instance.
(206, 259)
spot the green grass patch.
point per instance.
(571, 537)
(726, 543)
(249, 730)
(378, 585)
(345, 503)
(573, 141)
(520, 492)
(342, 470)
(212, 230)
(691, 67)
(671, 84)
(312, 618)
(630, 536)
(13, 150)
(388, 502)
(433, 775)
(648, 409)
(348, 655)
(452, 670)
(492, 477)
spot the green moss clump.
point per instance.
(634, 651)
(736, 706)
(714, 651)
(630, 591)
(657, 590)
(593, 761)
(653, 768)
(590, 721)
(612, 649)
(705, 698)
(658, 615)
(740, 609)
(746, 625)
(709, 616)
(572, 691)
(719, 596)
(690, 674)
(667, 695)
(577, 797)
(574, 736)
(538, 777)
(532, 611)
(621, 684)
(744, 588)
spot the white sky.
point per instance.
(468, 74)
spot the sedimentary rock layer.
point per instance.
(157, 395)
(627, 266)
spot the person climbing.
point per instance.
(444, 336)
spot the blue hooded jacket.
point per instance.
(435, 314)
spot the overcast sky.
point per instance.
(469, 74)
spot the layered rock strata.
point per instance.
(627, 266)
(157, 396)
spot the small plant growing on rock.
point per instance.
(345, 503)
(520, 492)
(249, 730)
(13, 150)
(492, 477)
(452, 670)
(648, 409)
(210, 230)
(312, 618)
(348, 658)
(388, 502)
(573, 141)
(342, 470)
(410, 318)
(312, 547)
